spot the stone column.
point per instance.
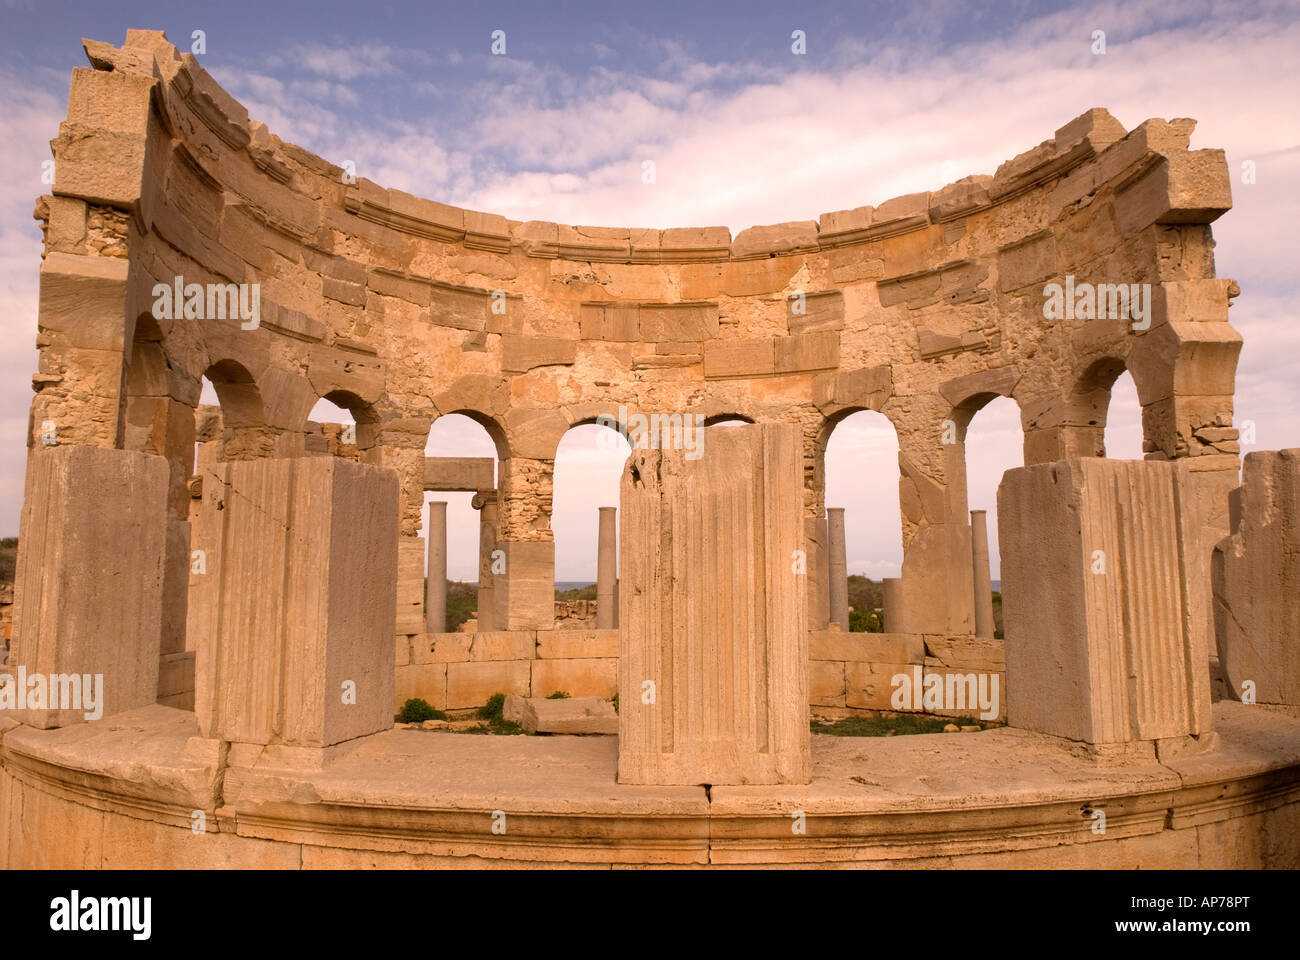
(1103, 602)
(295, 630)
(1256, 569)
(607, 569)
(891, 600)
(713, 651)
(89, 595)
(435, 578)
(979, 540)
(839, 572)
(485, 502)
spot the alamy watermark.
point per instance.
(56, 691)
(213, 301)
(949, 691)
(1098, 301)
(655, 431)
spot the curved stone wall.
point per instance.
(405, 309)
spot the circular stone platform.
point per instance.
(142, 790)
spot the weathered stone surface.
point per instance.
(573, 715)
(89, 588)
(729, 522)
(1256, 575)
(1106, 632)
(306, 658)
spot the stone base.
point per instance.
(123, 795)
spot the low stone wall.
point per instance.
(457, 670)
(856, 671)
(847, 671)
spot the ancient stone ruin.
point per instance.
(251, 614)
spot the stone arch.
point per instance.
(366, 417)
(496, 430)
(716, 418)
(245, 433)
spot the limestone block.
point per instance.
(938, 581)
(869, 686)
(295, 639)
(471, 684)
(1257, 581)
(826, 683)
(584, 677)
(713, 647)
(83, 300)
(519, 354)
(878, 647)
(739, 358)
(1104, 609)
(88, 593)
(464, 474)
(503, 645)
(576, 715)
(574, 644)
(423, 681)
(529, 584)
(100, 153)
(808, 351)
(409, 602)
(777, 238)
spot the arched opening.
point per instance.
(231, 413)
(469, 530)
(1123, 420)
(341, 424)
(727, 420)
(993, 443)
(860, 470)
(589, 465)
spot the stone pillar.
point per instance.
(296, 628)
(525, 594)
(892, 602)
(485, 502)
(90, 579)
(979, 541)
(435, 578)
(1103, 604)
(1256, 574)
(713, 649)
(607, 569)
(838, 565)
(815, 537)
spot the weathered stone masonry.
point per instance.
(404, 310)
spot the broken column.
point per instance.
(435, 578)
(1104, 610)
(839, 568)
(713, 650)
(979, 539)
(1257, 579)
(88, 593)
(607, 569)
(295, 626)
(891, 600)
(485, 502)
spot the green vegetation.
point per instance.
(558, 695)
(462, 603)
(8, 559)
(615, 702)
(416, 710)
(885, 725)
(493, 708)
(866, 597)
(581, 593)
